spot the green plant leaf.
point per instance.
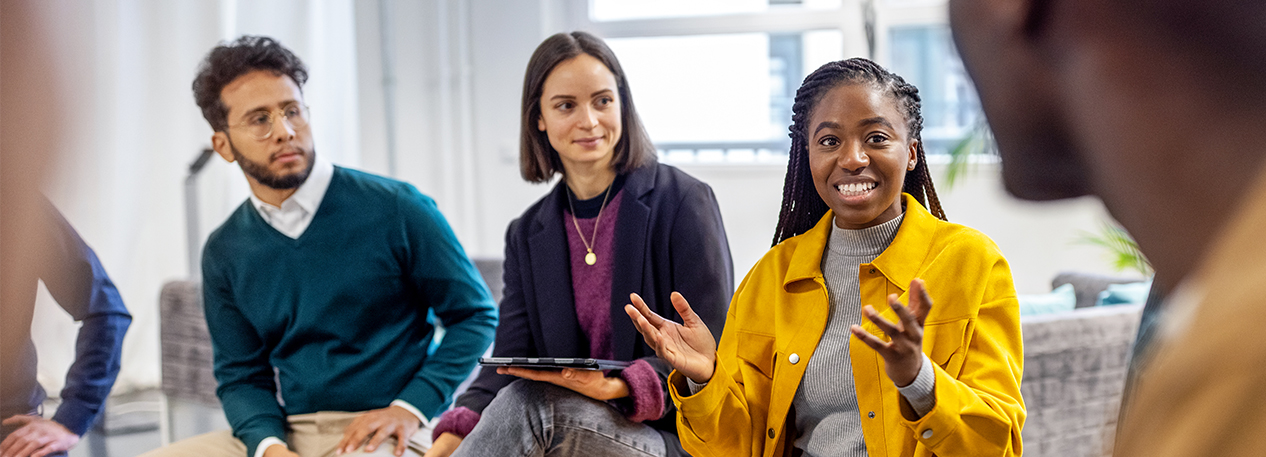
(979, 140)
(1122, 250)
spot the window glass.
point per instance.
(616, 10)
(721, 97)
(925, 56)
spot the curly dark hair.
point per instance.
(227, 62)
(538, 161)
(802, 207)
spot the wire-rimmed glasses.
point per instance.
(259, 124)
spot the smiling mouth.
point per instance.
(856, 189)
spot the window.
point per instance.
(615, 10)
(722, 97)
(926, 57)
(714, 80)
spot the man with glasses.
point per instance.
(317, 289)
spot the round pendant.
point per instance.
(591, 259)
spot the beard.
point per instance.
(260, 172)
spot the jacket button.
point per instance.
(927, 434)
(793, 358)
(871, 415)
(872, 271)
(771, 433)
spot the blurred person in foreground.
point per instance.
(36, 243)
(78, 282)
(317, 289)
(1157, 108)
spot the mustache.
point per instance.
(289, 150)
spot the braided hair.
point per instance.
(802, 207)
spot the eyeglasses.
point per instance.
(260, 123)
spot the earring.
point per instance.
(911, 167)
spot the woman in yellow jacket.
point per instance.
(939, 377)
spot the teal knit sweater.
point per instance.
(341, 312)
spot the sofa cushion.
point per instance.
(1134, 293)
(1088, 285)
(1060, 300)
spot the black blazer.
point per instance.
(669, 238)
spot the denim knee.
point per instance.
(561, 402)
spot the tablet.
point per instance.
(553, 363)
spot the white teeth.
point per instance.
(855, 187)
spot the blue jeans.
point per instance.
(530, 418)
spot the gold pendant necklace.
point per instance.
(590, 258)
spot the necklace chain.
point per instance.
(590, 257)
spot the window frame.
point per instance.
(849, 19)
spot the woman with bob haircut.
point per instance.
(938, 377)
(618, 222)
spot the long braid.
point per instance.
(918, 181)
(802, 207)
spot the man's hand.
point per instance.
(590, 383)
(378, 425)
(279, 450)
(444, 445)
(36, 437)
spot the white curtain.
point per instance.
(135, 128)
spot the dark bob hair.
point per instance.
(538, 161)
(227, 62)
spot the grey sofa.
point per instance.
(1074, 363)
(1074, 374)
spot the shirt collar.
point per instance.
(309, 194)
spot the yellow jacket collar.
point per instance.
(899, 263)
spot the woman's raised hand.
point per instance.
(688, 347)
(903, 356)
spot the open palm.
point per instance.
(688, 347)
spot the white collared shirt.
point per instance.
(296, 212)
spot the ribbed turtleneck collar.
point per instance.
(870, 241)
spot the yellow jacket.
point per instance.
(779, 313)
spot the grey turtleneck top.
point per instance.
(826, 413)
(827, 419)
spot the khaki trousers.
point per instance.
(310, 435)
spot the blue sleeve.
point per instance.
(450, 285)
(75, 278)
(247, 389)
